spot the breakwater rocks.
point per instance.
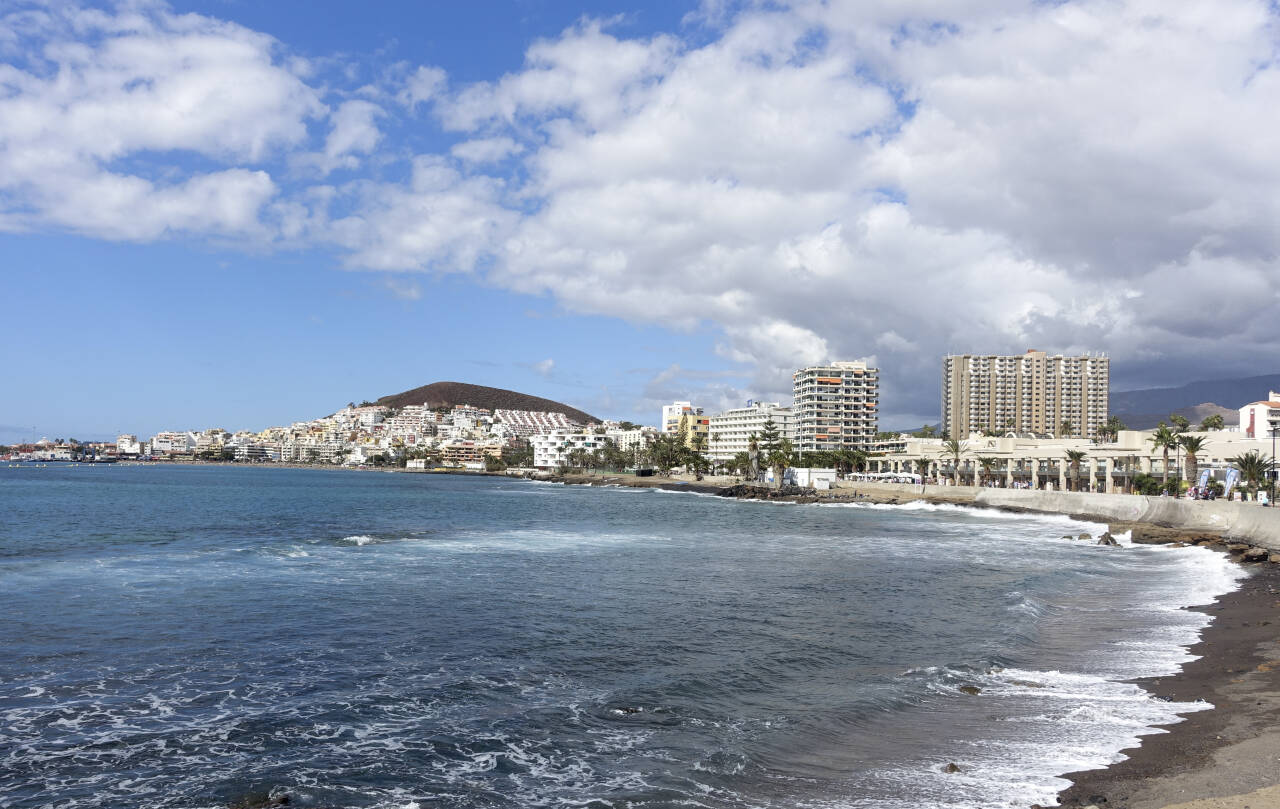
(753, 491)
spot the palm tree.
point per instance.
(1064, 429)
(954, 448)
(780, 459)
(857, 460)
(1253, 467)
(1192, 445)
(922, 469)
(1164, 439)
(988, 466)
(1214, 422)
(1075, 456)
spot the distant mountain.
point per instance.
(1143, 409)
(449, 394)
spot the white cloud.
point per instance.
(817, 180)
(403, 289)
(544, 367)
(422, 86)
(486, 150)
(89, 89)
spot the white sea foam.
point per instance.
(359, 540)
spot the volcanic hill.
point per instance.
(450, 394)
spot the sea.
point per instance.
(211, 636)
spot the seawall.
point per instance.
(1247, 522)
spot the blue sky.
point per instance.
(243, 214)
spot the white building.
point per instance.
(524, 423)
(836, 406)
(551, 451)
(1042, 463)
(1258, 419)
(672, 413)
(731, 431)
(167, 443)
(128, 445)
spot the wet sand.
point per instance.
(1210, 756)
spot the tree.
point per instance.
(1253, 466)
(1192, 445)
(626, 425)
(519, 455)
(578, 458)
(1212, 423)
(1180, 423)
(988, 466)
(1164, 439)
(954, 449)
(666, 453)
(1112, 428)
(922, 469)
(1075, 456)
(492, 464)
(780, 459)
(927, 431)
(1065, 429)
(769, 438)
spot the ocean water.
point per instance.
(183, 637)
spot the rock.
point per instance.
(1027, 683)
(1237, 547)
(1255, 554)
(1204, 543)
(1084, 536)
(1067, 536)
(1274, 558)
(951, 767)
(1107, 539)
(971, 690)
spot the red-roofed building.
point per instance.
(1258, 419)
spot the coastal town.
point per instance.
(1029, 421)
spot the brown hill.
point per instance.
(449, 394)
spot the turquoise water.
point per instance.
(183, 637)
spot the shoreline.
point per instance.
(1223, 758)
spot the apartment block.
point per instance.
(731, 431)
(836, 406)
(1031, 393)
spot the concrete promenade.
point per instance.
(1247, 522)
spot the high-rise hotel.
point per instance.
(1025, 393)
(836, 406)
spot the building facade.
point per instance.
(1031, 393)
(551, 450)
(1258, 419)
(731, 431)
(836, 406)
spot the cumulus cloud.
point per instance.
(815, 180)
(84, 91)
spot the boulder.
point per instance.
(1274, 558)
(1107, 539)
(1084, 536)
(971, 690)
(951, 767)
(1255, 555)
(1237, 547)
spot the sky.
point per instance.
(239, 214)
